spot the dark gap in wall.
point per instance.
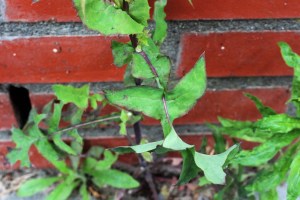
(20, 101)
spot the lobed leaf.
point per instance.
(159, 15)
(265, 111)
(264, 152)
(69, 94)
(34, 186)
(243, 130)
(280, 123)
(293, 60)
(212, 165)
(101, 16)
(23, 144)
(271, 177)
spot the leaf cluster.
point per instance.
(278, 134)
(95, 168)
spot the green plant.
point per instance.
(146, 92)
(278, 135)
(79, 174)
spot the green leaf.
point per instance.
(34, 186)
(160, 31)
(149, 100)
(142, 99)
(293, 181)
(94, 99)
(138, 148)
(141, 68)
(83, 192)
(95, 152)
(108, 160)
(69, 94)
(269, 195)
(186, 93)
(265, 111)
(124, 118)
(20, 152)
(63, 190)
(101, 16)
(220, 142)
(62, 145)
(280, 123)
(54, 120)
(271, 177)
(74, 134)
(243, 129)
(75, 160)
(293, 60)
(264, 152)
(212, 165)
(174, 142)
(114, 178)
(203, 181)
(139, 11)
(48, 152)
(122, 53)
(189, 168)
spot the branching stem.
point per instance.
(86, 124)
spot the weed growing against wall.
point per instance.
(146, 92)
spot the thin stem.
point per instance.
(144, 55)
(85, 124)
(137, 126)
(166, 110)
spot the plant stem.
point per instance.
(85, 124)
(137, 126)
(144, 55)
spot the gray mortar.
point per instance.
(152, 133)
(175, 30)
(212, 84)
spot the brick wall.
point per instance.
(42, 42)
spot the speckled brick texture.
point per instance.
(43, 42)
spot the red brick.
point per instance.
(232, 104)
(7, 119)
(225, 103)
(238, 54)
(77, 59)
(25, 10)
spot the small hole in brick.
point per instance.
(20, 101)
